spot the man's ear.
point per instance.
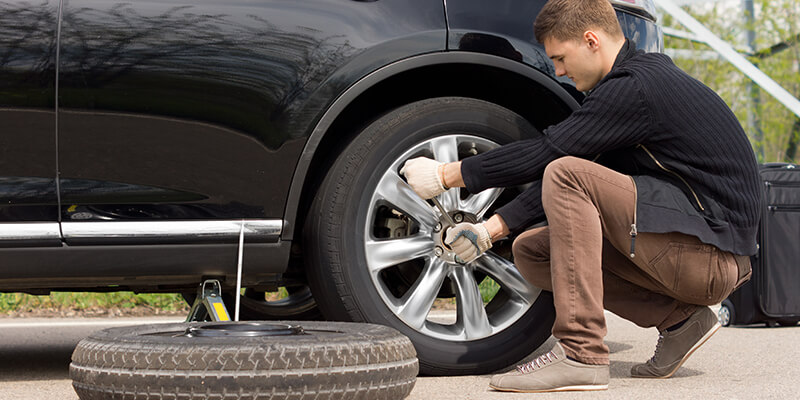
(591, 39)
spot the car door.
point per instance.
(28, 196)
(182, 110)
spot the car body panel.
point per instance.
(28, 43)
(197, 110)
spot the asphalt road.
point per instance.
(737, 363)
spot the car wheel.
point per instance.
(376, 248)
(726, 313)
(290, 360)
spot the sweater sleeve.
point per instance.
(613, 116)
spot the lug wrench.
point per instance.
(447, 216)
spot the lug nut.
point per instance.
(458, 218)
(438, 227)
(437, 251)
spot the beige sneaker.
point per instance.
(675, 347)
(552, 372)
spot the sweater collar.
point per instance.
(627, 52)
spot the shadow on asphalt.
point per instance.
(34, 362)
(616, 347)
(622, 370)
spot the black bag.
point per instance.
(773, 293)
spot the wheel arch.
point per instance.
(529, 92)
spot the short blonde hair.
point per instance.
(565, 20)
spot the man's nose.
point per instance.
(560, 71)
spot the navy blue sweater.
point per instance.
(645, 112)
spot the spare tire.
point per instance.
(235, 360)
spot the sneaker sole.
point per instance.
(696, 346)
(576, 388)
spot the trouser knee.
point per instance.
(532, 257)
(559, 174)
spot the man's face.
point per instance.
(579, 60)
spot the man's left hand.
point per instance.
(468, 241)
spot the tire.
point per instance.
(365, 267)
(299, 304)
(787, 322)
(726, 313)
(237, 361)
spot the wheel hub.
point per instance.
(440, 248)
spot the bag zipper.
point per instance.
(634, 232)
(696, 198)
(783, 208)
(769, 184)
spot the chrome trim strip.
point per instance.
(37, 231)
(189, 231)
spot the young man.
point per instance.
(651, 194)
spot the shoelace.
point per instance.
(537, 363)
(658, 347)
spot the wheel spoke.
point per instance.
(386, 253)
(419, 299)
(445, 149)
(450, 199)
(507, 276)
(471, 312)
(479, 203)
(396, 191)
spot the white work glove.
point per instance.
(468, 241)
(424, 177)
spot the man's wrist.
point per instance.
(442, 180)
(451, 175)
(496, 227)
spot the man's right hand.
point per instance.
(424, 176)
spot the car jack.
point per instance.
(208, 306)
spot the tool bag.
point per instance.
(773, 293)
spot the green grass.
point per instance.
(489, 289)
(81, 301)
(61, 301)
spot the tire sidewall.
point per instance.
(364, 161)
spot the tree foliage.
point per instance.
(774, 131)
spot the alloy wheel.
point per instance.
(410, 265)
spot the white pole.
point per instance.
(239, 272)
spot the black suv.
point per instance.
(137, 138)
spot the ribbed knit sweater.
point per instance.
(692, 163)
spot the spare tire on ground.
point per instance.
(252, 360)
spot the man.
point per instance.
(650, 191)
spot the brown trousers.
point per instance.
(583, 257)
